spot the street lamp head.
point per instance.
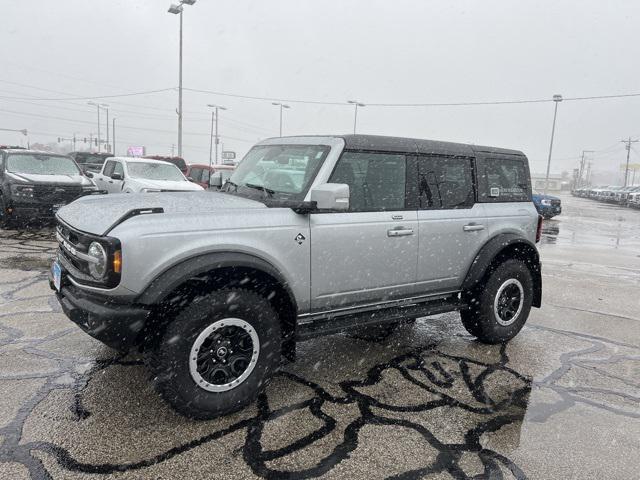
(93, 104)
(276, 104)
(285, 106)
(175, 9)
(105, 105)
(557, 98)
(355, 102)
(188, 2)
(212, 105)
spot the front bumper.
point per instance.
(32, 210)
(116, 325)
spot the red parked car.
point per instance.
(200, 173)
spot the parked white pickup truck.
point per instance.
(135, 175)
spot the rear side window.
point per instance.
(377, 181)
(205, 176)
(108, 168)
(505, 180)
(445, 182)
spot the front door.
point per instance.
(368, 254)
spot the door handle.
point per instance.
(472, 227)
(399, 232)
(110, 181)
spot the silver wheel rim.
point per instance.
(212, 353)
(508, 302)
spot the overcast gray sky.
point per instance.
(397, 51)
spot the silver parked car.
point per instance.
(310, 236)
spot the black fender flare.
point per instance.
(493, 248)
(174, 276)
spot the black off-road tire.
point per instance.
(480, 318)
(169, 360)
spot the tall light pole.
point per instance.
(582, 166)
(177, 10)
(281, 105)
(214, 116)
(356, 104)
(556, 99)
(114, 136)
(106, 108)
(97, 105)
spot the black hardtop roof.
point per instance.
(401, 144)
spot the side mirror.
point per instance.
(331, 196)
(116, 176)
(88, 174)
(215, 180)
(190, 179)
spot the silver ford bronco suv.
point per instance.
(310, 236)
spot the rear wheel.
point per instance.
(499, 310)
(218, 354)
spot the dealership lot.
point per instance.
(560, 400)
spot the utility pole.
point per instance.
(588, 173)
(282, 106)
(211, 138)
(113, 121)
(356, 104)
(557, 98)
(628, 147)
(107, 109)
(216, 110)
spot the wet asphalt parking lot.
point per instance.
(561, 400)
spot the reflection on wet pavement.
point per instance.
(429, 402)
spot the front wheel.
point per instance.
(218, 354)
(498, 311)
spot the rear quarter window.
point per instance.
(504, 180)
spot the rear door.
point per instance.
(368, 254)
(453, 227)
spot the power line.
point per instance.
(93, 97)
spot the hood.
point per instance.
(50, 179)
(97, 214)
(180, 185)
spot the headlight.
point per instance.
(546, 203)
(99, 267)
(149, 190)
(25, 191)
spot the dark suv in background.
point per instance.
(90, 161)
(34, 184)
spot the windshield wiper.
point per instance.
(261, 188)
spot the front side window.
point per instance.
(506, 180)
(155, 171)
(119, 169)
(277, 171)
(205, 176)
(108, 168)
(377, 181)
(445, 182)
(196, 174)
(41, 164)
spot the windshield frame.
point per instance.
(8, 156)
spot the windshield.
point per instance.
(41, 164)
(278, 170)
(155, 171)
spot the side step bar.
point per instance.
(331, 325)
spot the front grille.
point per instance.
(56, 194)
(76, 240)
(555, 203)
